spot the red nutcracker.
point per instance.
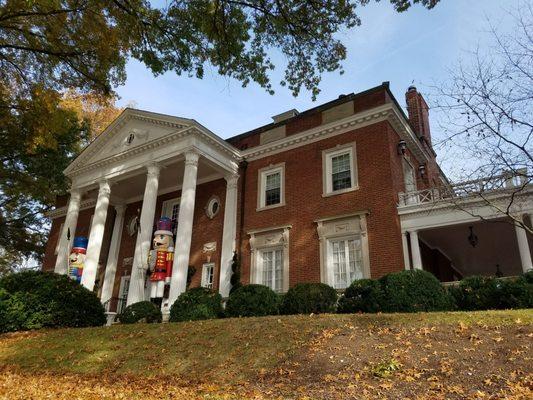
(160, 260)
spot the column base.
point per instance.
(110, 317)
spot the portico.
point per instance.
(141, 156)
(454, 233)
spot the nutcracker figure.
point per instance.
(160, 260)
(76, 259)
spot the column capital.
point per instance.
(231, 180)
(153, 169)
(120, 209)
(104, 188)
(75, 194)
(191, 158)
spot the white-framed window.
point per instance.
(270, 257)
(344, 251)
(271, 266)
(271, 189)
(339, 170)
(208, 274)
(213, 207)
(409, 179)
(409, 176)
(345, 261)
(171, 209)
(123, 292)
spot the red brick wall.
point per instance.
(304, 203)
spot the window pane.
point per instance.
(341, 174)
(272, 196)
(339, 264)
(355, 260)
(272, 273)
(340, 163)
(273, 181)
(278, 278)
(267, 268)
(273, 189)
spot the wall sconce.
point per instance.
(422, 170)
(402, 147)
(472, 238)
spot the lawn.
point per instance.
(426, 355)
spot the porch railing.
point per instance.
(490, 185)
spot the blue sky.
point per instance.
(416, 47)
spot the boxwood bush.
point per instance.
(364, 295)
(143, 311)
(413, 291)
(36, 299)
(485, 293)
(196, 304)
(307, 298)
(252, 301)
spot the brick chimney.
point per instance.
(418, 111)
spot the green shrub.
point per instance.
(528, 276)
(487, 293)
(36, 299)
(413, 291)
(307, 298)
(364, 295)
(143, 311)
(252, 301)
(195, 304)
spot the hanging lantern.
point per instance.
(472, 238)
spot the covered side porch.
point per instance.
(140, 157)
(454, 234)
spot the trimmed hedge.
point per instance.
(485, 293)
(307, 298)
(196, 304)
(414, 291)
(364, 295)
(252, 301)
(36, 299)
(143, 311)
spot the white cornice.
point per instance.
(62, 211)
(387, 112)
(183, 127)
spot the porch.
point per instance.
(139, 157)
(480, 227)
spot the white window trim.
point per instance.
(269, 239)
(345, 226)
(261, 186)
(327, 179)
(205, 266)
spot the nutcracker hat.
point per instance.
(164, 227)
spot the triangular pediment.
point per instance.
(131, 130)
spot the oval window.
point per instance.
(213, 207)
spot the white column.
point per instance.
(415, 250)
(229, 233)
(71, 220)
(406, 262)
(523, 248)
(96, 236)
(112, 257)
(178, 282)
(144, 236)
